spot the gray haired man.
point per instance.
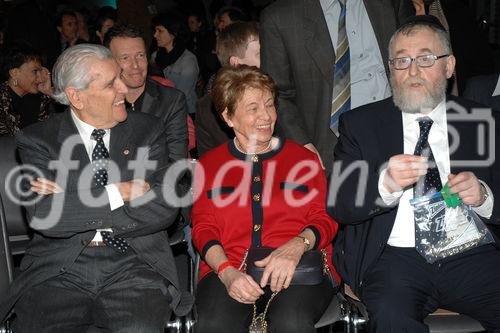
(107, 265)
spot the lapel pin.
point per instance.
(126, 151)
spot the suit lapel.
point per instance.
(68, 130)
(317, 38)
(121, 149)
(150, 98)
(390, 131)
(69, 138)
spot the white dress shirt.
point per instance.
(403, 231)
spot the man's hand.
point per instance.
(468, 187)
(44, 186)
(404, 170)
(281, 263)
(133, 189)
(240, 286)
(311, 147)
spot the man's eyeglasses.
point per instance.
(427, 60)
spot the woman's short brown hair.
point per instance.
(231, 83)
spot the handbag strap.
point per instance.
(262, 316)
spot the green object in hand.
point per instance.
(452, 200)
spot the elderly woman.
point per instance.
(257, 191)
(173, 59)
(24, 91)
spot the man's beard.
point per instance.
(422, 101)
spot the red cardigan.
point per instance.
(240, 203)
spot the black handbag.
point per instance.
(310, 270)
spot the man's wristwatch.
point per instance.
(307, 244)
(484, 193)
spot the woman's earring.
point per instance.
(14, 82)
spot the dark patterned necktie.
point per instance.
(430, 183)
(100, 158)
(342, 75)
(100, 162)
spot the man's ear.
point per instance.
(75, 97)
(450, 66)
(226, 118)
(234, 61)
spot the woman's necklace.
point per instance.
(263, 150)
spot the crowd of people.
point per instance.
(320, 133)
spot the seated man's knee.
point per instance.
(393, 307)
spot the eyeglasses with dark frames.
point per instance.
(427, 60)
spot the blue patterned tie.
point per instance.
(100, 162)
(342, 75)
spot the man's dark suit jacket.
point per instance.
(53, 250)
(374, 133)
(168, 104)
(480, 89)
(296, 50)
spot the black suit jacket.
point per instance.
(298, 54)
(168, 104)
(374, 133)
(58, 242)
(480, 89)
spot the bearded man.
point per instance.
(399, 149)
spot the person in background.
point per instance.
(484, 89)
(244, 97)
(227, 15)
(127, 45)
(25, 89)
(326, 56)
(82, 17)
(104, 22)
(172, 58)
(238, 44)
(457, 18)
(67, 25)
(202, 43)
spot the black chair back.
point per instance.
(15, 217)
(6, 267)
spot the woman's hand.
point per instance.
(45, 85)
(280, 264)
(240, 286)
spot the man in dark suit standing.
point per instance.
(378, 251)
(484, 89)
(146, 95)
(100, 256)
(326, 56)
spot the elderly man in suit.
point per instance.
(99, 256)
(378, 251)
(146, 95)
(326, 56)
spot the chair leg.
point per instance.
(174, 326)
